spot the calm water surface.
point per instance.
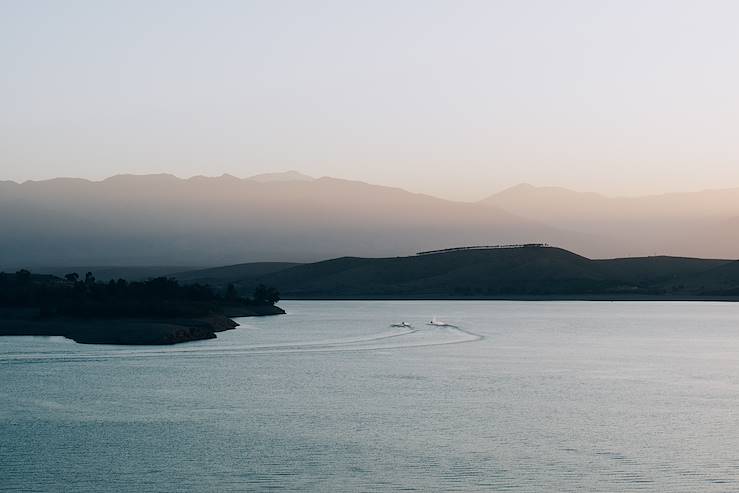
(537, 396)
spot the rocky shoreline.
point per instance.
(130, 331)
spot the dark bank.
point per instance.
(156, 311)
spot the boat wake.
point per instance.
(387, 340)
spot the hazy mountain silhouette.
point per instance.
(156, 220)
(284, 176)
(164, 220)
(703, 224)
(219, 276)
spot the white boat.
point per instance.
(438, 323)
(404, 325)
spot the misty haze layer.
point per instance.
(165, 220)
(159, 219)
(698, 224)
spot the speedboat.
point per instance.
(404, 325)
(438, 323)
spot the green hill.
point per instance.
(722, 280)
(501, 272)
(660, 270)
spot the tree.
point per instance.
(265, 296)
(72, 277)
(23, 276)
(231, 293)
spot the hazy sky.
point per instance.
(456, 98)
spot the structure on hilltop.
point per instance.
(486, 247)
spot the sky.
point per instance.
(457, 98)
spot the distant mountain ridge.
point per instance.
(162, 178)
(291, 175)
(162, 220)
(563, 202)
(131, 220)
(701, 224)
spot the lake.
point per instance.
(523, 396)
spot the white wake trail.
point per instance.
(405, 339)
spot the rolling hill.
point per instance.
(498, 273)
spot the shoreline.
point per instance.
(614, 298)
(132, 331)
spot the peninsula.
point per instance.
(153, 312)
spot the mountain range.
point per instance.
(162, 220)
(698, 224)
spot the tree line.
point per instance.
(79, 296)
